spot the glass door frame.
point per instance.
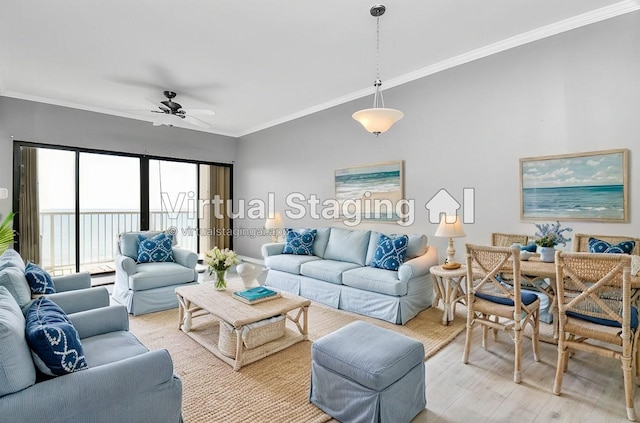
(144, 185)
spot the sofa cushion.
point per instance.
(375, 280)
(600, 246)
(416, 246)
(99, 349)
(348, 245)
(299, 242)
(17, 371)
(39, 280)
(16, 283)
(326, 270)
(156, 249)
(11, 258)
(289, 263)
(390, 252)
(156, 275)
(321, 241)
(53, 340)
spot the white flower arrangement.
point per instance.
(220, 260)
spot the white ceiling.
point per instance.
(256, 63)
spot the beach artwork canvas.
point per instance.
(370, 191)
(585, 186)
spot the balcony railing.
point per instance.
(98, 237)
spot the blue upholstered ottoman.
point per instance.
(363, 373)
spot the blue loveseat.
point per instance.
(339, 274)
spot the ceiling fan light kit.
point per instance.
(378, 119)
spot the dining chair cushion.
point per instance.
(527, 298)
(599, 246)
(607, 322)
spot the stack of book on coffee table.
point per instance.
(256, 295)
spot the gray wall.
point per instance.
(467, 127)
(42, 123)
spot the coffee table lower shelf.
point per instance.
(247, 356)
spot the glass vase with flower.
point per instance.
(218, 261)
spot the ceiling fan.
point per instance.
(171, 112)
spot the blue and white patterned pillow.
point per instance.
(39, 280)
(390, 252)
(54, 342)
(156, 249)
(599, 246)
(300, 243)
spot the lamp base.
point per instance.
(451, 266)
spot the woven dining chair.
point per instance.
(594, 304)
(507, 240)
(495, 305)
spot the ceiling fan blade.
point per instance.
(166, 119)
(196, 122)
(200, 112)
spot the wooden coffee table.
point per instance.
(203, 297)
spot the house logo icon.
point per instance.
(443, 202)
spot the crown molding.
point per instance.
(550, 30)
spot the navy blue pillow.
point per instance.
(526, 297)
(156, 249)
(54, 342)
(599, 246)
(39, 280)
(390, 252)
(530, 247)
(300, 243)
(607, 322)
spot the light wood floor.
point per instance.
(483, 390)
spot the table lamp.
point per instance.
(273, 224)
(450, 227)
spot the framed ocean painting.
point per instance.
(586, 186)
(370, 192)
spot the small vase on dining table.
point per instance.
(547, 254)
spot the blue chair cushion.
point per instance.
(599, 246)
(527, 298)
(300, 243)
(607, 322)
(53, 340)
(157, 249)
(39, 280)
(390, 252)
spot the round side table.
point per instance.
(447, 286)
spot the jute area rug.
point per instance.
(276, 388)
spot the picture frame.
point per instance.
(370, 192)
(591, 186)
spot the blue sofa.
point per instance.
(124, 382)
(148, 287)
(339, 274)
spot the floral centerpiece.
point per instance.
(219, 261)
(548, 236)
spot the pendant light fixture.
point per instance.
(378, 119)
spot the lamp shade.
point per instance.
(274, 222)
(450, 230)
(378, 120)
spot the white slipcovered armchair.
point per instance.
(150, 286)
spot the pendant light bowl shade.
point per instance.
(378, 120)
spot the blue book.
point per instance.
(256, 293)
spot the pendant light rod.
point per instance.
(377, 119)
